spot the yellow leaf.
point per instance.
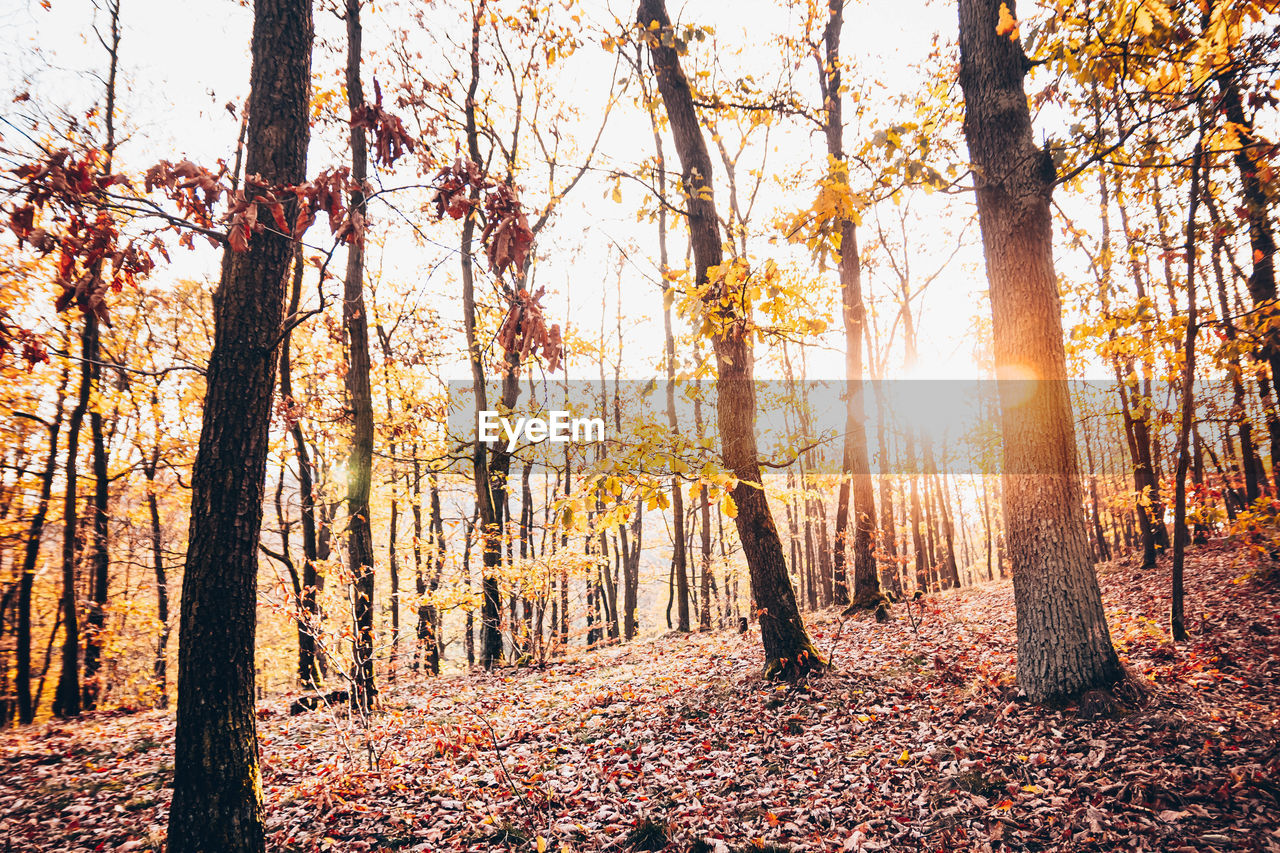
(904, 758)
(1008, 25)
(1142, 24)
(542, 844)
(616, 195)
(727, 505)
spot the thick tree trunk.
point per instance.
(787, 648)
(1064, 646)
(217, 798)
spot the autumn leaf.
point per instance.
(1007, 25)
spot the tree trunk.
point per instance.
(360, 461)
(308, 605)
(1262, 279)
(1177, 619)
(680, 567)
(217, 798)
(160, 668)
(1064, 646)
(99, 559)
(856, 461)
(35, 532)
(99, 563)
(787, 648)
(66, 696)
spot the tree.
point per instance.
(787, 648)
(355, 322)
(217, 796)
(856, 462)
(1064, 646)
(26, 703)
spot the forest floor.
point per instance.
(916, 741)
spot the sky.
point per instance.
(183, 63)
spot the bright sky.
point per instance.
(181, 63)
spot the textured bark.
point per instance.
(360, 460)
(217, 798)
(787, 648)
(1064, 646)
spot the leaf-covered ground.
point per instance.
(917, 741)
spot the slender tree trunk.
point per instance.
(1064, 646)
(1262, 244)
(917, 536)
(356, 325)
(856, 461)
(704, 524)
(787, 648)
(35, 533)
(66, 695)
(308, 605)
(217, 798)
(99, 562)
(160, 669)
(1177, 619)
(680, 567)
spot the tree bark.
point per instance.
(217, 798)
(1064, 646)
